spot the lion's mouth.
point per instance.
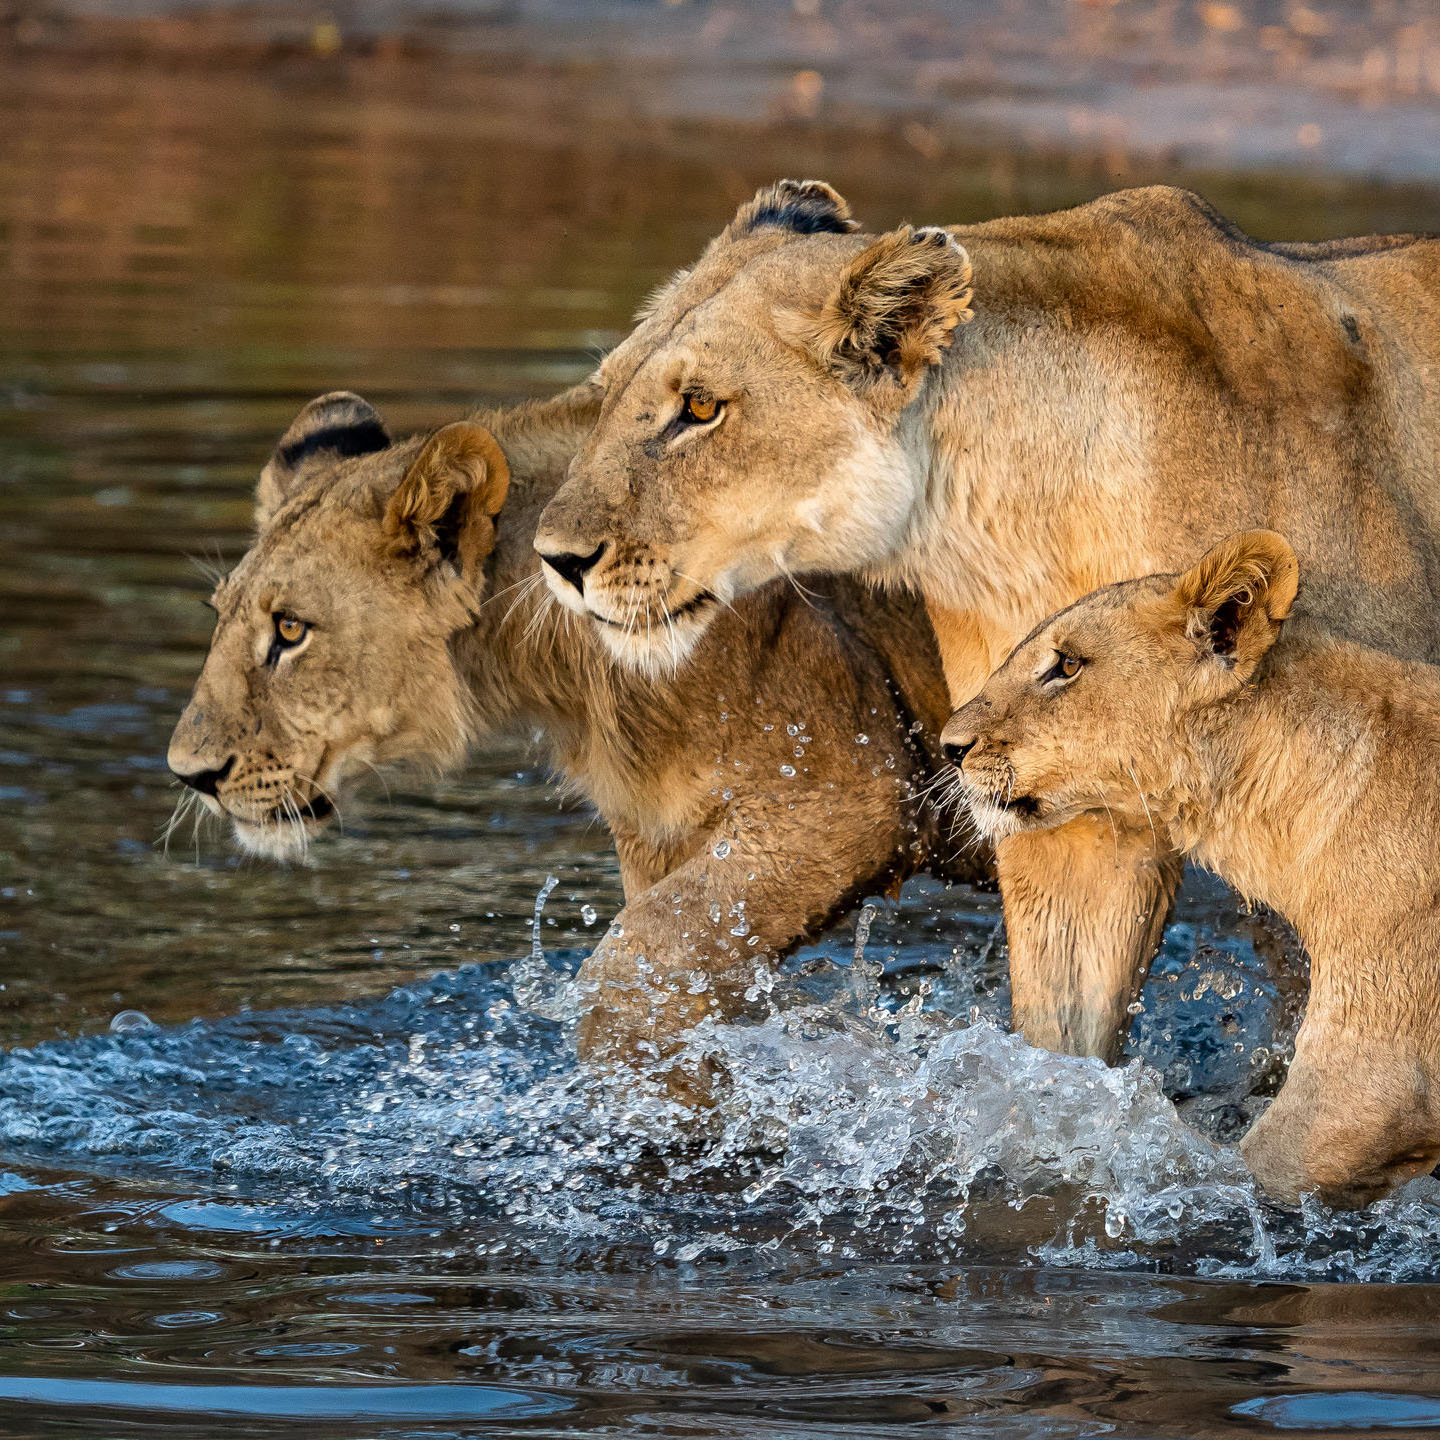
(680, 612)
(999, 797)
(1019, 807)
(283, 832)
(317, 808)
(999, 815)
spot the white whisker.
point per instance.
(377, 773)
(1135, 780)
(320, 790)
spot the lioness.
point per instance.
(1135, 377)
(390, 609)
(1310, 785)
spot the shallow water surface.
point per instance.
(305, 1152)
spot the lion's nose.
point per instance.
(207, 782)
(956, 751)
(573, 567)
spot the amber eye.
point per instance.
(699, 410)
(289, 630)
(1066, 667)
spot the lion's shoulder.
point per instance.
(1162, 261)
(1171, 220)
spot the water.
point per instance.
(305, 1152)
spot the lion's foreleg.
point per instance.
(692, 945)
(1085, 908)
(657, 975)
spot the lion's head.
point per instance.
(753, 424)
(331, 648)
(1087, 713)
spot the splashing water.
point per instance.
(847, 1129)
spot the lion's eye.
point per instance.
(1066, 667)
(289, 630)
(699, 409)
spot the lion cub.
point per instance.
(1310, 782)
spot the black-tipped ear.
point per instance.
(332, 427)
(807, 207)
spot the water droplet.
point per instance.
(722, 850)
(588, 914)
(132, 1022)
(862, 739)
(788, 771)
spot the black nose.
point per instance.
(207, 782)
(572, 567)
(956, 753)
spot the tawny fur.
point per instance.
(1311, 785)
(414, 656)
(1138, 377)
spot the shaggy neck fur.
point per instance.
(529, 662)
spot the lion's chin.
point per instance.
(286, 841)
(656, 650)
(995, 819)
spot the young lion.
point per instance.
(1312, 786)
(391, 610)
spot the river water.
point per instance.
(304, 1152)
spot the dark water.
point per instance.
(304, 1152)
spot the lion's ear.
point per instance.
(806, 207)
(334, 426)
(447, 503)
(1237, 595)
(894, 312)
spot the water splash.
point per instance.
(848, 1129)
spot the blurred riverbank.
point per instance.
(1348, 87)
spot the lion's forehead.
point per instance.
(324, 560)
(659, 358)
(720, 326)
